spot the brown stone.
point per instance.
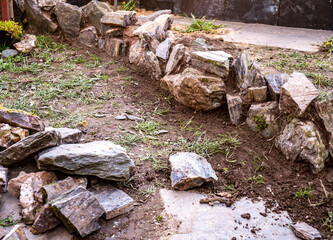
(45, 220)
(10, 135)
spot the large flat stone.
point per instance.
(100, 158)
(69, 19)
(190, 170)
(114, 201)
(79, 210)
(217, 62)
(297, 94)
(28, 146)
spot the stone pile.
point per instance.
(46, 201)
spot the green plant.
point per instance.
(12, 28)
(130, 6)
(229, 188)
(329, 221)
(322, 96)
(201, 24)
(147, 127)
(304, 193)
(260, 122)
(258, 163)
(329, 45)
(256, 179)
(6, 222)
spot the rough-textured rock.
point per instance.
(28, 146)
(100, 158)
(9, 53)
(31, 198)
(257, 94)
(217, 62)
(2, 233)
(247, 73)
(164, 21)
(136, 54)
(297, 94)
(200, 45)
(114, 201)
(160, 34)
(93, 12)
(38, 19)
(45, 220)
(235, 108)
(262, 118)
(114, 46)
(163, 49)
(150, 42)
(3, 179)
(194, 89)
(67, 135)
(14, 185)
(177, 54)
(190, 170)
(26, 44)
(143, 19)
(21, 119)
(69, 19)
(153, 65)
(305, 231)
(17, 233)
(169, 34)
(275, 83)
(10, 135)
(131, 16)
(88, 36)
(48, 4)
(53, 191)
(79, 210)
(116, 32)
(119, 18)
(303, 140)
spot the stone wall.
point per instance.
(298, 13)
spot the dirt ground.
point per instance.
(123, 88)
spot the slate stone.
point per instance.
(67, 135)
(194, 89)
(153, 65)
(143, 19)
(163, 49)
(201, 45)
(134, 118)
(28, 146)
(217, 62)
(275, 83)
(121, 117)
(165, 21)
(297, 94)
(262, 118)
(302, 140)
(114, 201)
(102, 159)
(88, 36)
(119, 18)
(3, 179)
(177, 54)
(305, 231)
(69, 19)
(190, 170)
(160, 34)
(149, 42)
(114, 47)
(9, 53)
(21, 119)
(136, 53)
(79, 210)
(45, 220)
(48, 4)
(257, 94)
(235, 108)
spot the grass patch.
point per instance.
(304, 193)
(201, 24)
(329, 221)
(259, 179)
(260, 122)
(147, 127)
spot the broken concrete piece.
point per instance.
(162, 51)
(18, 118)
(305, 231)
(194, 89)
(297, 94)
(26, 44)
(114, 201)
(100, 158)
(10, 135)
(88, 36)
(3, 179)
(262, 118)
(302, 140)
(177, 54)
(79, 210)
(45, 220)
(275, 83)
(67, 135)
(257, 94)
(69, 19)
(190, 170)
(235, 108)
(153, 65)
(28, 146)
(217, 62)
(53, 191)
(143, 19)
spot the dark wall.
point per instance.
(293, 13)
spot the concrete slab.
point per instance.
(300, 39)
(203, 222)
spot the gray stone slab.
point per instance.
(67, 135)
(9, 53)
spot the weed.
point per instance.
(147, 191)
(6, 222)
(260, 122)
(128, 139)
(256, 179)
(44, 42)
(120, 69)
(201, 24)
(147, 127)
(157, 161)
(329, 221)
(320, 80)
(94, 62)
(229, 188)
(159, 218)
(322, 96)
(225, 170)
(304, 193)
(258, 163)
(130, 6)
(329, 45)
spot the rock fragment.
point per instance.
(143, 19)
(305, 231)
(162, 51)
(88, 36)
(67, 135)
(3, 179)
(190, 170)
(45, 220)
(153, 65)
(164, 21)
(10, 135)
(9, 53)
(257, 94)
(235, 108)
(275, 83)
(177, 54)
(200, 44)
(69, 19)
